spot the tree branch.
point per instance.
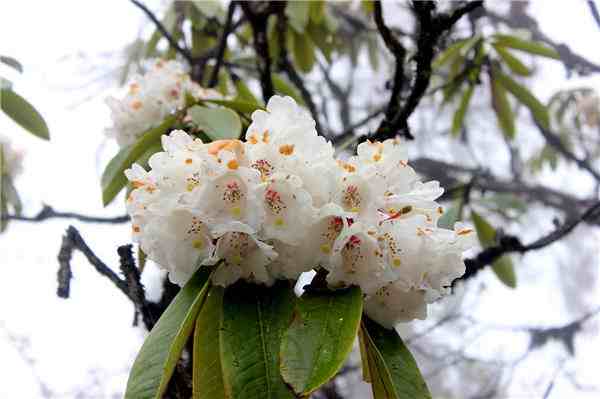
(131, 286)
(510, 244)
(292, 74)
(257, 14)
(161, 28)
(47, 212)
(431, 28)
(222, 44)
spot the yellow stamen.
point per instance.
(279, 222)
(233, 164)
(326, 248)
(198, 244)
(286, 149)
(236, 211)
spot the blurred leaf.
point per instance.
(527, 46)
(11, 196)
(207, 374)
(317, 10)
(297, 13)
(168, 21)
(11, 62)
(155, 362)
(372, 48)
(317, 343)
(254, 320)
(538, 110)
(485, 232)
(23, 113)
(217, 123)
(284, 88)
(393, 371)
(448, 54)
(322, 37)
(242, 107)
(113, 178)
(459, 115)
(502, 108)
(502, 267)
(142, 258)
(512, 62)
(244, 94)
(3, 207)
(304, 52)
(367, 6)
(210, 8)
(449, 218)
(505, 271)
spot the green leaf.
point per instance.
(525, 45)
(521, 93)
(317, 10)
(502, 108)
(372, 51)
(321, 336)
(243, 107)
(297, 13)
(449, 218)
(217, 123)
(512, 62)
(393, 371)
(11, 196)
(505, 271)
(3, 207)
(485, 231)
(459, 115)
(321, 37)
(503, 267)
(449, 54)
(161, 350)
(11, 62)
(207, 374)
(23, 113)
(281, 86)
(113, 178)
(304, 52)
(169, 21)
(244, 94)
(142, 258)
(254, 320)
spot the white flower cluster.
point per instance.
(279, 205)
(12, 159)
(150, 98)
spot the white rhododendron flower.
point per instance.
(150, 98)
(12, 159)
(279, 204)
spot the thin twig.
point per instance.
(222, 45)
(161, 28)
(292, 74)
(47, 212)
(510, 244)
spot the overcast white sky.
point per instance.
(65, 346)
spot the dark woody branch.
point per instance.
(431, 27)
(510, 244)
(257, 13)
(292, 74)
(227, 28)
(47, 212)
(130, 286)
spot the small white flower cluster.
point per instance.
(12, 159)
(150, 98)
(279, 205)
